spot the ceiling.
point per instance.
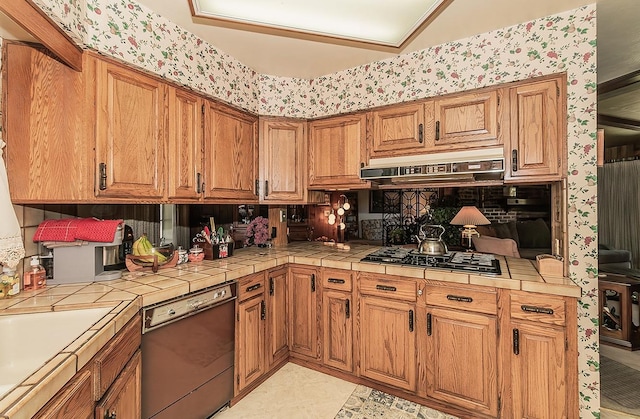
(273, 54)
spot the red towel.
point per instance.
(71, 229)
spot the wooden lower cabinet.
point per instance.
(303, 312)
(337, 319)
(108, 386)
(250, 332)
(277, 313)
(460, 358)
(123, 399)
(387, 341)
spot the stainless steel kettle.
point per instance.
(429, 244)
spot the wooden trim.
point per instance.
(34, 21)
(611, 86)
(614, 121)
(600, 147)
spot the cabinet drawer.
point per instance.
(388, 287)
(250, 286)
(108, 363)
(462, 298)
(337, 280)
(541, 308)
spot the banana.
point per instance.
(143, 247)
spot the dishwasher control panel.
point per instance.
(168, 311)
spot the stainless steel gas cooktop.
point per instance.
(460, 261)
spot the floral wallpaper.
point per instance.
(565, 42)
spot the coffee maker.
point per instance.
(92, 261)
(113, 257)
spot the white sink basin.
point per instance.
(28, 341)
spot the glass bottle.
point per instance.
(9, 282)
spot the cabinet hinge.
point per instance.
(499, 405)
(238, 379)
(498, 100)
(557, 90)
(238, 316)
(203, 108)
(566, 344)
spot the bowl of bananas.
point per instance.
(146, 255)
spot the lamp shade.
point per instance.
(469, 216)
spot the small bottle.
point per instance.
(10, 282)
(35, 278)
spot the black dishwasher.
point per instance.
(188, 354)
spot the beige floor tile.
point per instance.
(293, 392)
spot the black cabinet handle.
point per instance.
(103, 177)
(437, 130)
(411, 320)
(347, 308)
(534, 309)
(270, 286)
(459, 298)
(313, 282)
(266, 188)
(199, 185)
(429, 324)
(420, 133)
(386, 288)
(514, 160)
(335, 281)
(263, 310)
(516, 341)
(253, 287)
(257, 187)
(111, 415)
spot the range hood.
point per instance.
(454, 166)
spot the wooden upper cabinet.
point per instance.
(231, 153)
(536, 146)
(47, 155)
(130, 133)
(467, 120)
(185, 145)
(403, 129)
(283, 161)
(336, 151)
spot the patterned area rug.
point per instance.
(620, 384)
(367, 403)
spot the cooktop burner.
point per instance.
(462, 261)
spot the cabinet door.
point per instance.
(336, 151)
(461, 359)
(387, 341)
(536, 140)
(47, 153)
(231, 153)
(467, 120)
(185, 145)
(283, 160)
(130, 133)
(277, 312)
(250, 350)
(337, 327)
(75, 399)
(303, 320)
(401, 130)
(123, 400)
(538, 371)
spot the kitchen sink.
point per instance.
(28, 341)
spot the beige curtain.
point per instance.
(619, 207)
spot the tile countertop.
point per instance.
(126, 296)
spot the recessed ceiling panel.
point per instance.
(380, 22)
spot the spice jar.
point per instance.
(196, 254)
(183, 255)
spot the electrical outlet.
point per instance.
(283, 216)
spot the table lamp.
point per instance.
(469, 217)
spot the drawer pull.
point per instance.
(459, 298)
(534, 309)
(411, 320)
(253, 287)
(516, 342)
(386, 288)
(347, 308)
(336, 281)
(429, 324)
